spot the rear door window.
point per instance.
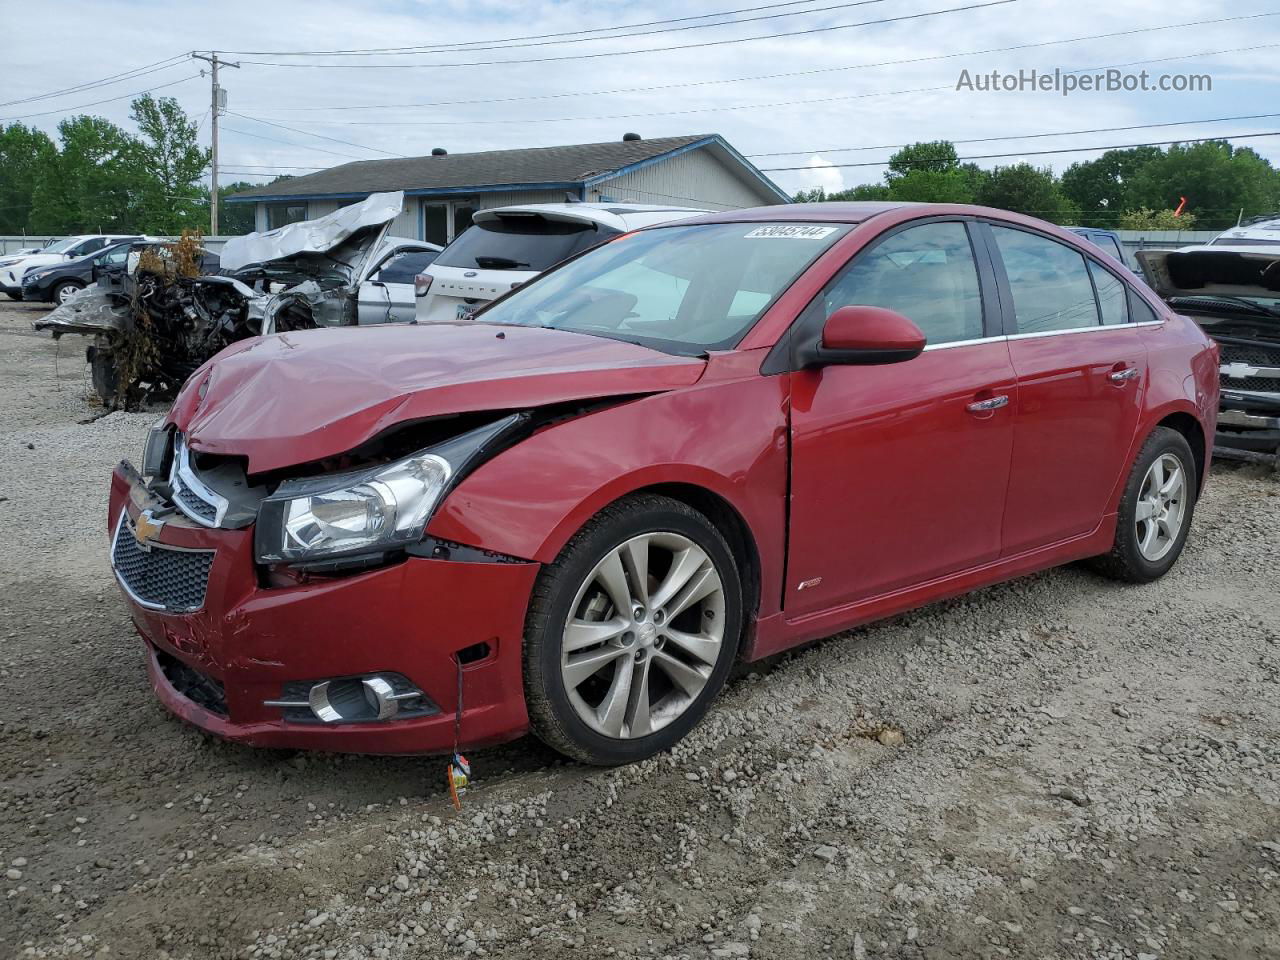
(1112, 295)
(1049, 282)
(521, 243)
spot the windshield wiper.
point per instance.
(1256, 308)
(499, 263)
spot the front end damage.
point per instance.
(1234, 295)
(155, 323)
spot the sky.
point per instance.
(838, 93)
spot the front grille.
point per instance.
(163, 578)
(200, 688)
(1254, 356)
(193, 504)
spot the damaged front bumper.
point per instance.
(242, 660)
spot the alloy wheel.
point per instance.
(65, 293)
(643, 635)
(1161, 509)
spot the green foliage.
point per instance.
(23, 152)
(234, 219)
(99, 177)
(1217, 179)
(1145, 219)
(165, 165)
(1025, 189)
(1119, 187)
(936, 156)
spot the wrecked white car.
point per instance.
(1233, 293)
(157, 321)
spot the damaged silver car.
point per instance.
(157, 320)
(1233, 293)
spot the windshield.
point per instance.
(62, 245)
(684, 289)
(521, 242)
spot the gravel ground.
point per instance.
(1056, 767)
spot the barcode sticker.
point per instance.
(791, 231)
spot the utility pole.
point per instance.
(217, 104)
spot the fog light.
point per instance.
(365, 699)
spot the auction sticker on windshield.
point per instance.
(791, 231)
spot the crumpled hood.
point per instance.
(312, 236)
(294, 398)
(1206, 271)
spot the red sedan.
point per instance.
(693, 445)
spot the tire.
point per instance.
(671, 539)
(1130, 559)
(106, 379)
(63, 291)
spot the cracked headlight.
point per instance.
(373, 511)
(365, 512)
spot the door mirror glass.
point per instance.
(862, 335)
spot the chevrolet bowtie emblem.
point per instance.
(146, 528)
(1239, 371)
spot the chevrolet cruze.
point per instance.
(693, 445)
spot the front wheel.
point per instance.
(65, 291)
(631, 632)
(1155, 511)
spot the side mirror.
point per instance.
(866, 335)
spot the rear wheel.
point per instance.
(66, 290)
(1155, 511)
(631, 632)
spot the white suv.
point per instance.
(506, 246)
(70, 248)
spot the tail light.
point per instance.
(421, 284)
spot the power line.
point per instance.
(757, 106)
(631, 116)
(1032, 136)
(1034, 153)
(308, 133)
(105, 81)
(537, 36)
(796, 73)
(628, 53)
(127, 96)
(287, 143)
(504, 45)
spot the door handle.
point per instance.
(1123, 376)
(991, 403)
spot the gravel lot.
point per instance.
(1056, 767)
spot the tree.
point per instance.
(166, 166)
(816, 195)
(88, 186)
(1102, 189)
(1024, 189)
(23, 151)
(932, 186)
(235, 219)
(936, 156)
(1217, 179)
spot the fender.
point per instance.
(531, 499)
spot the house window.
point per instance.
(435, 223)
(279, 214)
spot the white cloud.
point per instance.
(824, 175)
